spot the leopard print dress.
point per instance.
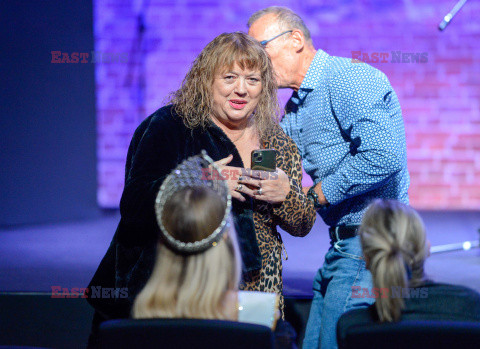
(296, 215)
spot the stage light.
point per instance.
(467, 245)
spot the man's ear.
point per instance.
(428, 247)
(298, 39)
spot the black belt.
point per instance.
(342, 232)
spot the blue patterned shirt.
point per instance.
(347, 123)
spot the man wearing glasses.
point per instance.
(346, 120)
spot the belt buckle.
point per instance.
(336, 233)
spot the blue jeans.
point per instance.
(343, 268)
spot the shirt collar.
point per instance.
(311, 80)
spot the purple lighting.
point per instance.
(440, 97)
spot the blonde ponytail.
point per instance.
(393, 242)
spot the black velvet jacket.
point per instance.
(160, 143)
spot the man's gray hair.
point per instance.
(286, 19)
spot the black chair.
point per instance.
(183, 334)
(411, 334)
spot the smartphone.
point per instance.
(264, 160)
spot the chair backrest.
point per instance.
(411, 334)
(183, 333)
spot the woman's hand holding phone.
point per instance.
(271, 187)
(232, 176)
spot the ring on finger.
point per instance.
(259, 191)
(239, 187)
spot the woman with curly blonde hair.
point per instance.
(194, 101)
(227, 106)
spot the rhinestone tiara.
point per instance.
(193, 172)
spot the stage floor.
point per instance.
(33, 259)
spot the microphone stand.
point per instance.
(451, 14)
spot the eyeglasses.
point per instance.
(265, 42)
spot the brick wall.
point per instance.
(440, 98)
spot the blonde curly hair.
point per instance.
(193, 102)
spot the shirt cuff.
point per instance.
(331, 193)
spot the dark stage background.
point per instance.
(47, 127)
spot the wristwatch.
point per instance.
(313, 196)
